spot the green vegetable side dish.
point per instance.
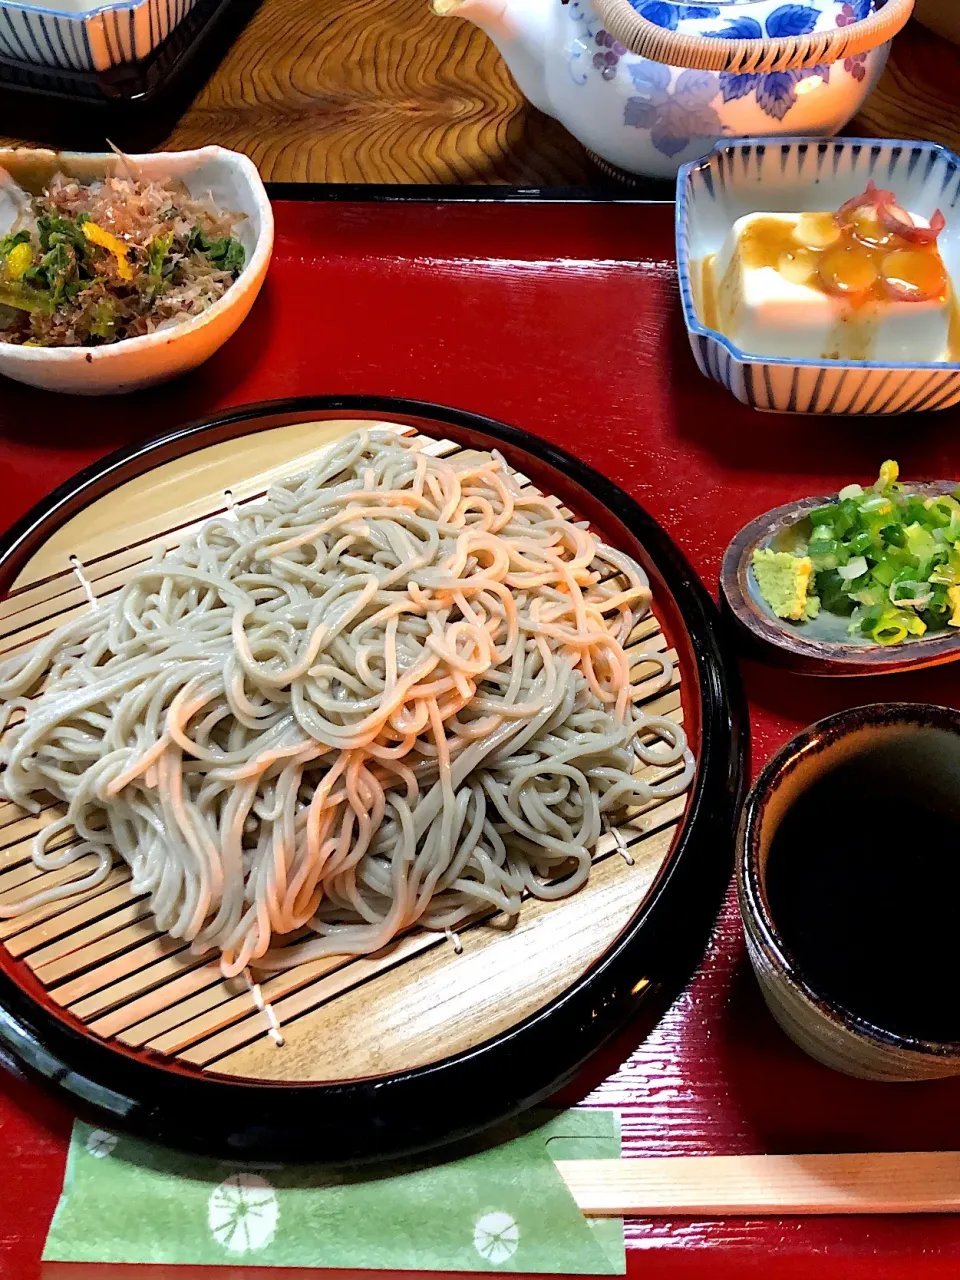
(92, 263)
(887, 559)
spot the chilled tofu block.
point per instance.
(809, 286)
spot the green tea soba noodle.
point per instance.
(393, 693)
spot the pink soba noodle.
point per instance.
(393, 693)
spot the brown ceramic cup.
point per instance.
(923, 742)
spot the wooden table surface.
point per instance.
(384, 91)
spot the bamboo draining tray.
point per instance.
(424, 998)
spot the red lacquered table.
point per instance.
(563, 319)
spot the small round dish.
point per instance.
(235, 184)
(823, 646)
(918, 747)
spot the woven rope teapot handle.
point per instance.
(784, 53)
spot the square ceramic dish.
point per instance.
(810, 174)
(82, 35)
(233, 183)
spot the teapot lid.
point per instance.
(752, 35)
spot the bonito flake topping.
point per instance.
(90, 263)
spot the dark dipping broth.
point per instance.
(863, 882)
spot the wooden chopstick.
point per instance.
(719, 1186)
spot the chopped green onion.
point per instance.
(860, 542)
(886, 558)
(939, 601)
(854, 568)
(827, 514)
(894, 625)
(911, 592)
(823, 553)
(941, 509)
(880, 504)
(886, 569)
(848, 517)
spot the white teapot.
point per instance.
(647, 85)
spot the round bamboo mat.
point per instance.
(425, 997)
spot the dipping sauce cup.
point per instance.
(848, 876)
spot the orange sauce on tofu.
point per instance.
(856, 259)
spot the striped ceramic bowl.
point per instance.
(800, 174)
(82, 35)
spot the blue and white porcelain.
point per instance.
(788, 175)
(84, 35)
(648, 118)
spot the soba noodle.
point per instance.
(392, 693)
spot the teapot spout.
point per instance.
(519, 30)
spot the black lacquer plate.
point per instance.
(166, 1101)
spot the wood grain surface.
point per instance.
(386, 92)
(729, 1186)
(383, 91)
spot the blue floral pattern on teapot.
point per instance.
(680, 112)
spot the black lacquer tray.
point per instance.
(422, 1044)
